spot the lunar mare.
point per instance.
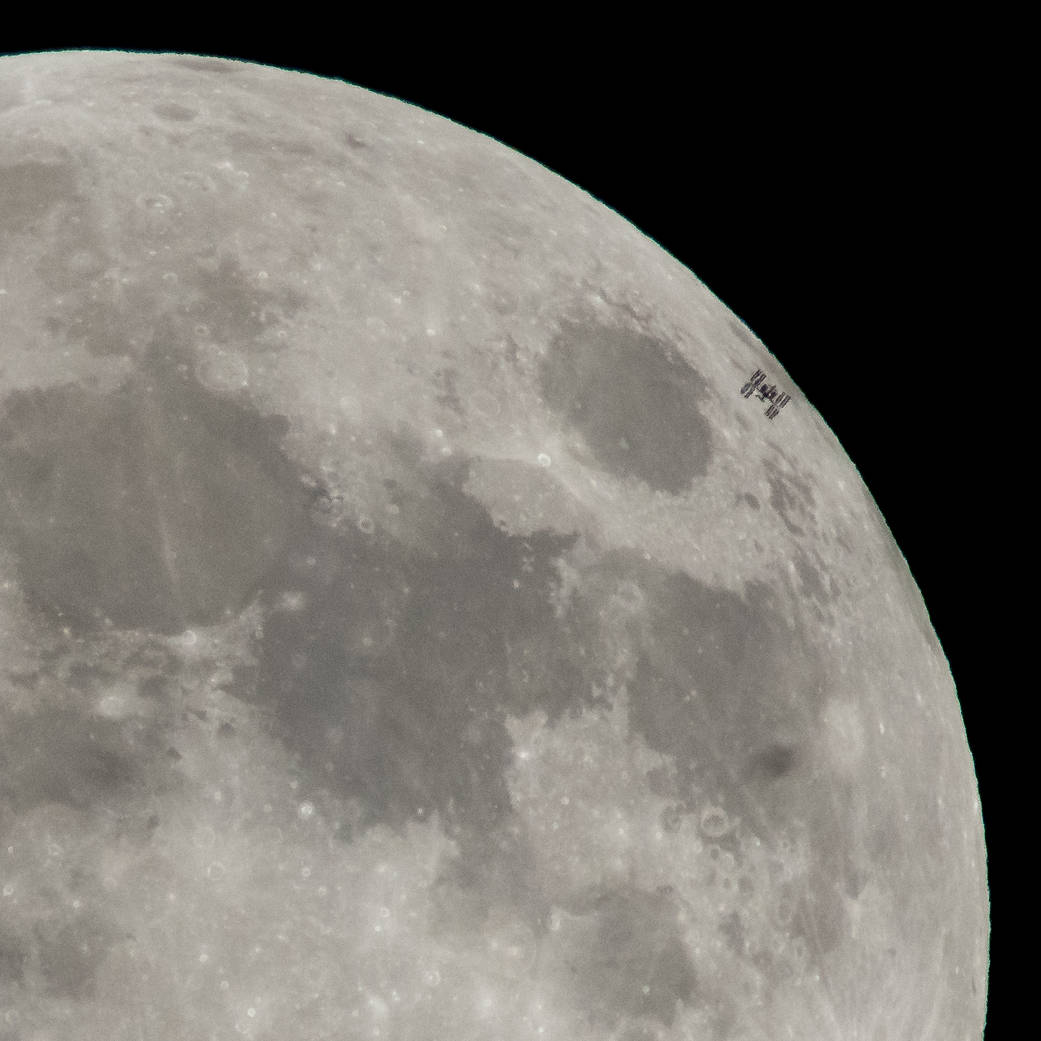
(408, 630)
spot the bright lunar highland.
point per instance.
(416, 622)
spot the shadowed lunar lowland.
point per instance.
(414, 625)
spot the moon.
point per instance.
(428, 612)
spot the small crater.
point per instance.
(714, 822)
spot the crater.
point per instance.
(812, 583)
(791, 497)
(232, 306)
(635, 401)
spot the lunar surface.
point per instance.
(427, 613)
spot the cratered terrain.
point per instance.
(418, 621)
